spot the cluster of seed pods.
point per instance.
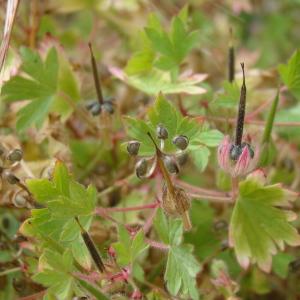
(175, 200)
(146, 165)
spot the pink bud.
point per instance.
(242, 163)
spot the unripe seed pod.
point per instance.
(133, 147)
(181, 142)
(182, 158)
(294, 265)
(19, 201)
(108, 107)
(95, 109)
(15, 155)
(10, 178)
(171, 164)
(162, 132)
(141, 168)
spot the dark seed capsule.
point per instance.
(133, 147)
(108, 107)
(171, 165)
(181, 142)
(93, 251)
(236, 151)
(10, 178)
(95, 109)
(141, 168)
(294, 266)
(15, 155)
(182, 158)
(162, 132)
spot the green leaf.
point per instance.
(258, 225)
(181, 271)
(210, 138)
(128, 249)
(290, 73)
(229, 97)
(39, 86)
(200, 156)
(281, 263)
(56, 272)
(157, 81)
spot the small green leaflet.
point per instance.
(290, 73)
(56, 274)
(129, 249)
(259, 225)
(229, 97)
(182, 267)
(42, 86)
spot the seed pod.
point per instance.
(91, 247)
(241, 112)
(19, 201)
(10, 178)
(141, 168)
(182, 158)
(133, 147)
(108, 107)
(93, 251)
(162, 132)
(177, 204)
(171, 164)
(294, 266)
(181, 142)
(95, 108)
(15, 155)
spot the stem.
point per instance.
(96, 76)
(9, 271)
(162, 167)
(132, 208)
(216, 199)
(157, 245)
(270, 120)
(235, 188)
(241, 112)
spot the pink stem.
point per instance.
(216, 199)
(195, 189)
(125, 209)
(157, 245)
(150, 219)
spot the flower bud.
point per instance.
(10, 178)
(141, 168)
(133, 147)
(15, 155)
(162, 132)
(181, 142)
(171, 164)
(237, 160)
